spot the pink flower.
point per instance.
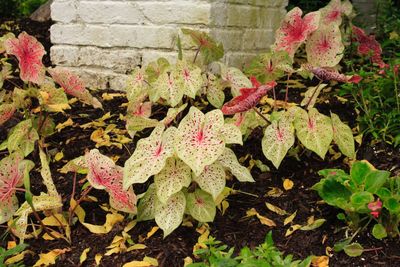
(294, 30)
(326, 74)
(368, 46)
(29, 53)
(375, 208)
(249, 97)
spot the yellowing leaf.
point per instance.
(59, 156)
(53, 233)
(264, 220)
(313, 225)
(107, 96)
(17, 258)
(83, 256)
(275, 209)
(290, 218)
(151, 260)
(97, 258)
(187, 261)
(130, 225)
(136, 246)
(292, 229)
(46, 259)
(137, 264)
(152, 231)
(288, 184)
(274, 192)
(65, 124)
(320, 261)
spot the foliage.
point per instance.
(19, 8)
(263, 255)
(4, 254)
(363, 194)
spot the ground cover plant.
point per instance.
(89, 181)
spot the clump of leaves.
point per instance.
(266, 254)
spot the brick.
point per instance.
(64, 12)
(64, 55)
(231, 39)
(176, 12)
(238, 59)
(254, 39)
(94, 78)
(109, 12)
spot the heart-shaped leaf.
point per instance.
(229, 161)
(278, 139)
(136, 84)
(314, 130)
(212, 179)
(235, 78)
(168, 86)
(175, 175)
(215, 91)
(201, 206)
(198, 141)
(343, 136)
(22, 137)
(149, 157)
(191, 77)
(169, 216)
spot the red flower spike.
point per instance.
(294, 30)
(29, 53)
(248, 98)
(368, 46)
(325, 74)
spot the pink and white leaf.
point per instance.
(169, 216)
(102, 169)
(212, 180)
(8, 208)
(327, 74)
(235, 78)
(367, 45)
(278, 139)
(294, 30)
(175, 175)
(120, 199)
(29, 53)
(201, 206)
(314, 130)
(343, 137)
(331, 14)
(191, 77)
(198, 141)
(6, 112)
(136, 84)
(142, 109)
(150, 156)
(229, 161)
(325, 47)
(169, 87)
(74, 86)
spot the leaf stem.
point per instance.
(260, 114)
(312, 96)
(84, 194)
(197, 53)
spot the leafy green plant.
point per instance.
(263, 255)
(365, 195)
(4, 254)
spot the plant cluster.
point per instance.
(19, 8)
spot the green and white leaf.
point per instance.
(212, 180)
(314, 130)
(311, 95)
(22, 137)
(175, 175)
(229, 161)
(147, 204)
(46, 174)
(7, 209)
(231, 134)
(215, 91)
(169, 216)
(136, 84)
(278, 139)
(201, 206)
(343, 136)
(169, 86)
(149, 157)
(198, 141)
(191, 77)
(172, 113)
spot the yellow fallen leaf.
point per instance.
(111, 220)
(288, 184)
(97, 258)
(274, 192)
(292, 229)
(151, 260)
(83, 256)
(321, 261)
(137, 264)
(107, 96)
(290, 218)
(264, 220)
(136, 246)
(275, 209)
(17, 258)
(46, 259)
(57, 235)
(113, 251)
(59, 156)
(65, 124)
(130, 225)
(152, 232)
(187, 261)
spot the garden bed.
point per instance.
(232, 228)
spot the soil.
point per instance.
(232, 228)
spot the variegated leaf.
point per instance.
(169, 87)
(22, 138)
(76, 165)
(311, 95)
(231, 134)
(136, 84)
(215, 91)
(235, 78)
(175, 175)
(172, 113)
(6, 112)
(212, 179)
(314, 130)
(46, 174)
(278, 139)
(150, 156)
(198, 142)
(8, 208)
(201, 206)
(229, 161)
(53, 99)
(169, 216)
(191, 76)
(343, 136)
(147, 204)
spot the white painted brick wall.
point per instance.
(103, 40)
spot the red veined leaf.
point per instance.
(29, 53)
(248, 99)
(367, 45)
(294, 30)
(333, 12)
